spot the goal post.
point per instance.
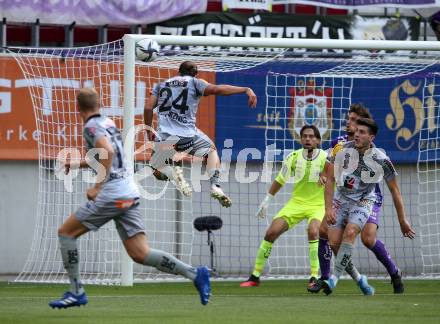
(128, 124)
(285, 73)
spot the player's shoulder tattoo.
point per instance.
(388, 165)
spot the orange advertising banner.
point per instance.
(18, 135)
(41, 109)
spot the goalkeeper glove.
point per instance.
(264, 205)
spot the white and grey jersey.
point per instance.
(357, 174)
(178, 101)
(119, 183)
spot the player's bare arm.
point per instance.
(323, 176)
(148, 115)
(106, 161)
(328, 194)
(69, 164)
(405, 226)
(227, 90)
(275, 187)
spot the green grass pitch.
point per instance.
(272, 302)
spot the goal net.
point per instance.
(294, 86)
(429, 177)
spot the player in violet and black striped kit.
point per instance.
(369, 232)
(114, 197)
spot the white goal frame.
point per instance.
(129, 76)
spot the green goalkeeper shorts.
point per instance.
(294, 213)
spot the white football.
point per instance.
(147, 50)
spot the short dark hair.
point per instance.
(188, 68)
(370, 123)
(360, 110)
(313, 127)
(88, 99)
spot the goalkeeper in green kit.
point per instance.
(305, 167)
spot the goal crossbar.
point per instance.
(289, 42)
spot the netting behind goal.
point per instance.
(323, 99)
(429, 177)
(293, 89)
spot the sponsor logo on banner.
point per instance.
(276, 25)
(409, 114)
(54, 105)
(310, 105)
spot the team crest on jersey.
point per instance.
(310, 105)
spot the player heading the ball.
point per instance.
(177, 101)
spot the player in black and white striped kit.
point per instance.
(177, 101)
